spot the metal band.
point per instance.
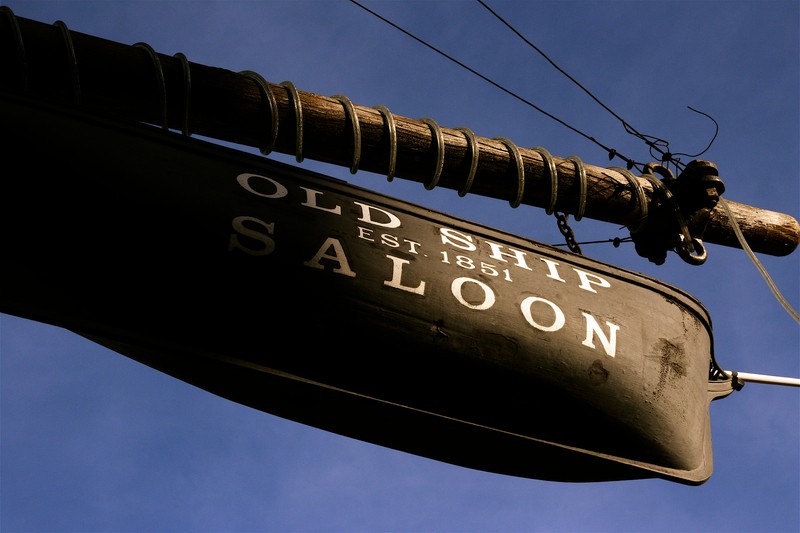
(474, 153)
(350, 112)
(273, 109)
(294, 96)
(552, 171)
(580, 169)
(187, 91)
(388, 118)
(23, 61)
(641, 198)
(436, 133)
(73, 61)
(162, 86)
(517, 157)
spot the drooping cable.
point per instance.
(756, 262)
(653, 142)
(485, 78)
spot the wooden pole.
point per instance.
(52, 63)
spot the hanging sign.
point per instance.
(357, 313)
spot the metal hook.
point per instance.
(474, 152)
(581, 171)
(273, 108)
(642, 199)
(350, 112)
(73, 61)
(552, 170)
(687, 244)
(162, 87)
(187, 91)
(23, 62)
(697, 256)
(389, 119)
(514, 152)
(436, 133)
(294, 96)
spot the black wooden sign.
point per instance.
(334, 306)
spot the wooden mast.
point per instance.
(52, 63)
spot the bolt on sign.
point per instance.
(354, 312)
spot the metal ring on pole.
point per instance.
(436, 133)
(517, 157)
(273, 109)
(350, 112)
(690, 249)
(697, 256)
(552, 170)
(162, 86)
(474, 152)
(187, 91)
(642, 199)
(18, 42)
(294, 96)
(580, 169)
(73, 61)
(388, 118)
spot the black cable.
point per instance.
(507, 91)
(651, 141)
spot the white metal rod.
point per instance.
(761, 378)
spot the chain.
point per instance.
(566, 231)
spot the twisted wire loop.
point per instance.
(580, 169)
(350, 111)
(18, 43)
(388, 118)
(691, 249)
(517, 157)
(72, 59)
(273, 109)
(162, 86)
(436, 133)
(474, 153)
(641, 199)
(294, 96)
(187, 91)
(552, 171)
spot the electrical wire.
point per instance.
(653, 142)
(485, 78)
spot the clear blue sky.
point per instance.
(93, 441)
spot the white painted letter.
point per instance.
(238, 224)
(311, 201)
(397, 274)
(366, 216)
(488, 294)
(365, 233)
(339, 256)
(461, 241)
(558, 318)
(592, 327)
(244, 181)
(586, 283)
(553, 272)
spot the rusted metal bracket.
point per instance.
(679, 212)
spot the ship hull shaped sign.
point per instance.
(340, 308)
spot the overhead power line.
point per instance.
(494, 83)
